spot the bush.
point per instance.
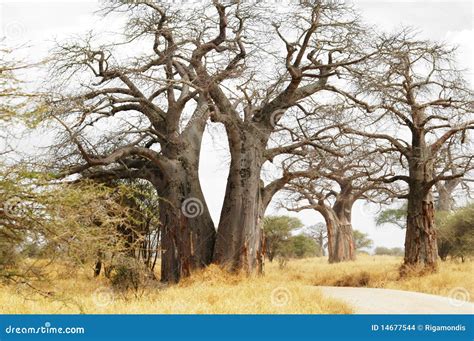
(277, 234)
(129, 274)
(456, 233)
(301, 246)
(382, 250)
(362, 240)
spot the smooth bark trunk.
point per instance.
(445, 189)
(340, 235)
(240, 239)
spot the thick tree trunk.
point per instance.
(445, 189)
(340, 238)
(339, 229)
(239, 243)
(188, 233)
(444, 202)
(420, 242)
(421, 249)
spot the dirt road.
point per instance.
(388, 301)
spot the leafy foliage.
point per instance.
(456, 233)
(301, 246)
(277, 231)
(396, 216)
(362, 240)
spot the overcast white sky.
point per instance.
(38, 23)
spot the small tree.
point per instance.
(302, 246)
(395, 216)
(362, 240)
(456, 234)
(277, 231)
(319, 234)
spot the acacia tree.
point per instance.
(416, 86)
(277, 232)
(362, 240)
(319, 40)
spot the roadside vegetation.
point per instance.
(288, 290)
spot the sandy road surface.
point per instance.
(388, 301)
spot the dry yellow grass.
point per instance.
(211, 291)
(290, 290)
(382, 272)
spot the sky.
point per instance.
(37, 24)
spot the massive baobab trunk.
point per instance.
(188, 232)
(340, 236)
(420, 242)
(445, 189)
(252, 117)
(239, 242)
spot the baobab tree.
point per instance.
(446, 190)
(315, 42)
(334, 184)
(200, 64)
(142, 117)
(416, 86)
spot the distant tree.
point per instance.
(362, 240)
(333, 184)
(277, 231)
(382, 250)
(302, 246)
(319, 234)
(395, 216)
(417, 85)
